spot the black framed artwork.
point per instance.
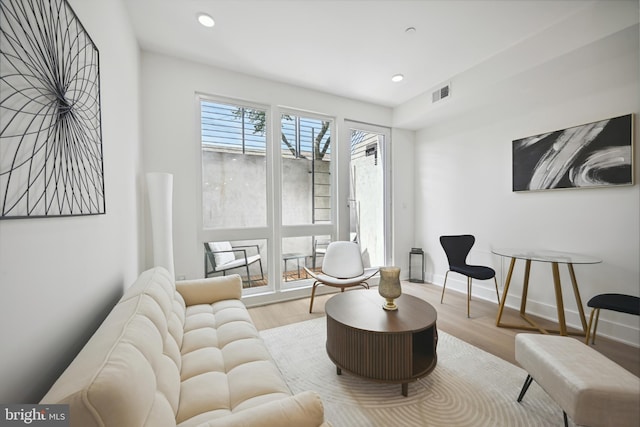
(598, 154)
(51, 159)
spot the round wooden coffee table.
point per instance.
(387, 346)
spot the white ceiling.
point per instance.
(350, 47)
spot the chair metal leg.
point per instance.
(313, 294)
(444, 286)
(497, 292)
(261, 271)
(588, 332)
(566, 422)
(248, 274)
(525, 387)
(595, 326)
(468, 295)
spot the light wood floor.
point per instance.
(479, 330)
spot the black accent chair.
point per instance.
(457, 248)
(615, 302)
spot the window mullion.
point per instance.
(274, 169)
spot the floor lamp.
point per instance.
(160, 191)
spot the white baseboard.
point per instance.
(485, 290)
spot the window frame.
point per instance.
(275, 231)
(305, 230)
(239, 233)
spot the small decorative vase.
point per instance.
(389, 286)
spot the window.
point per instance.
(273, 226)
(306, 170)
(233, 142)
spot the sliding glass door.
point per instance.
(369, 198)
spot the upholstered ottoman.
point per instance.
(589, 387)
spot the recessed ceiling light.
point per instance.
(397, 78)
(206, 20)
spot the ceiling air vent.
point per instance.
(441, 93)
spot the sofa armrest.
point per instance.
(301, 410)
(208, 291)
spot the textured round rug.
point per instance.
(468, 387)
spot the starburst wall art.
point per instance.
(50, 126)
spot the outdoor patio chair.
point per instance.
(319, 249)
(341, 268)
(221, 257)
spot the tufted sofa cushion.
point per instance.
(161, 359)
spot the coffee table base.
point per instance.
(405, 386)
(398, 357)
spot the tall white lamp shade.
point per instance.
(160, 192)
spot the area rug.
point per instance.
(468, 387)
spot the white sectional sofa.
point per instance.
(180, 355)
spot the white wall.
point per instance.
(463, 174)
(171, 131)
(60, 276)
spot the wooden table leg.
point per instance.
(533, 326)
(338, 371)
(559, 303)
(506, 291)
(562, 323)
(523, 303)
(576, 292)
(405, 389)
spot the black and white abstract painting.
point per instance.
(596, 154)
